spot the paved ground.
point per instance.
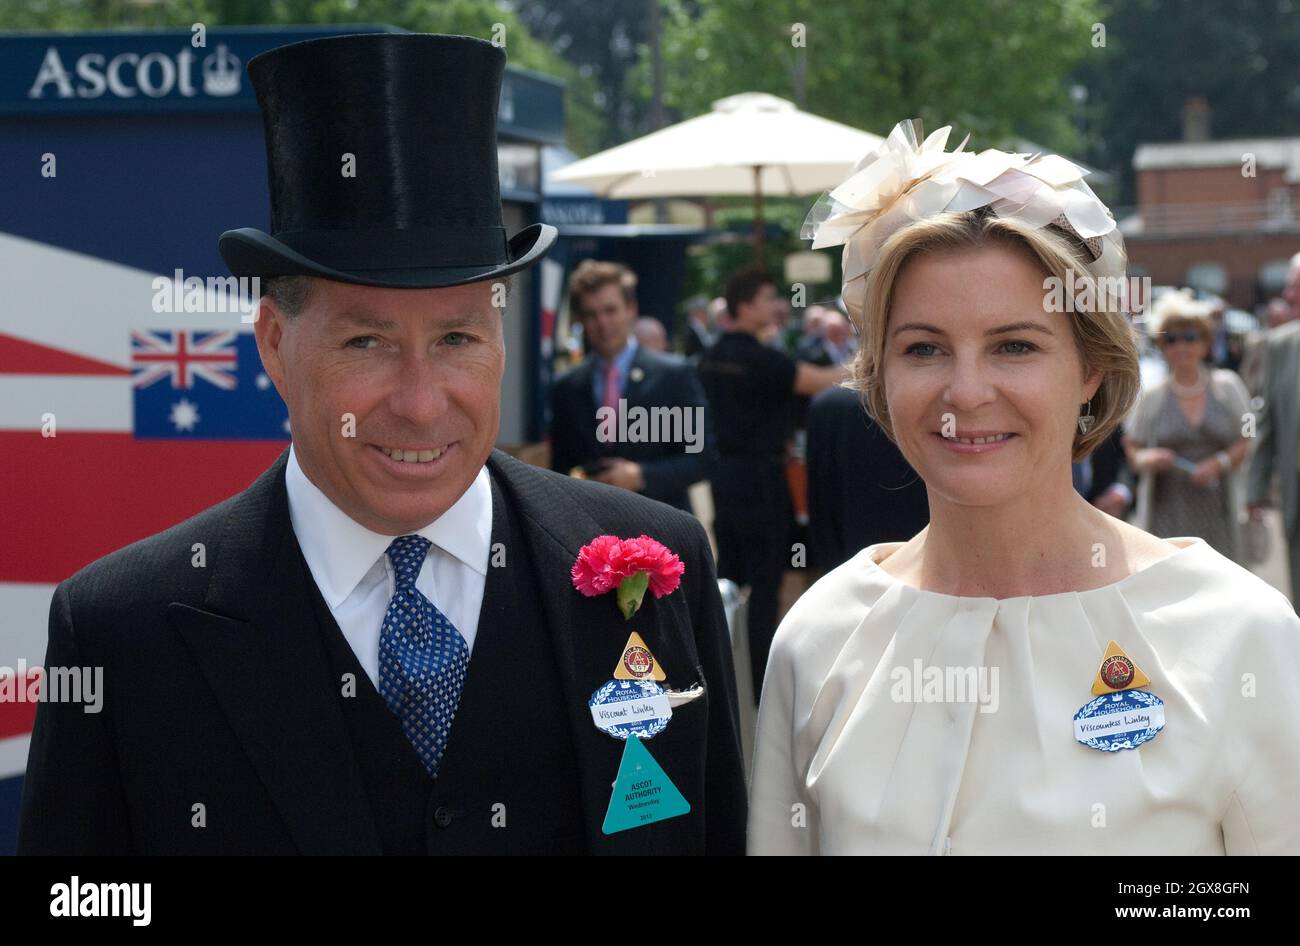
(1274, 569)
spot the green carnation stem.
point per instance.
(630, 592)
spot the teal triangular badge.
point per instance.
(643, 792)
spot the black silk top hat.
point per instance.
(418, 113)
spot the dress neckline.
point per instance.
(871, 551)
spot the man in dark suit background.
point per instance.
(697, 333)
(831, 342)
(379, 649)
(1103, 477)
(861, 491)
(621, 376)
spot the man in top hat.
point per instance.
(385, 652)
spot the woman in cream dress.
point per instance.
(920, 698)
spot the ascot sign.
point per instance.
(154, 71)
(128, 74)
(150, 71)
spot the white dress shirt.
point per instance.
(355, 577)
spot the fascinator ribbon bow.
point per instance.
(909, 178)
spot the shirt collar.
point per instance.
(623, 358)
(340, 551)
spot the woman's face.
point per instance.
(970, 351)
(1184, 345)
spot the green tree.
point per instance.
(602, 40)
(1243, 58)
(995, 68)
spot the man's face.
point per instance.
(607, 319)
(814, 321)
(763, 311)
(837, 330)
(1292, 291)
(1279, 313)
(393, 394)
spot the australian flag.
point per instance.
(203, 386)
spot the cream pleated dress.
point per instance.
(848, 760)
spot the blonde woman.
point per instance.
(940, 695)
(1185, 437)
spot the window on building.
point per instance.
(1272, 277)
(1211, 278)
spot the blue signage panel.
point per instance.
(163, 70)
(148, 71)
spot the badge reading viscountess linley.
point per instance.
(1122, 720)
(1121, 717)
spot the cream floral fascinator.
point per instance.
(908, 178)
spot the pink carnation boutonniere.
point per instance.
(628, 565)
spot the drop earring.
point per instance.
(1086, 420)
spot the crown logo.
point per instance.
(221, 72)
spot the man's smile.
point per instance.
(413, 454)
(413, 460)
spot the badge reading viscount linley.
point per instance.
(623, 708)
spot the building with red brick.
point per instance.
(1219, 216)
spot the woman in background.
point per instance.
(1185, 438)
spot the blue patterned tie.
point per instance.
(422, 657)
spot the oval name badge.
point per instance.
(1121, 720)
(630, 707)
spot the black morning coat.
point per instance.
(225, 728)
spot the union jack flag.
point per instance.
(184, 356)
